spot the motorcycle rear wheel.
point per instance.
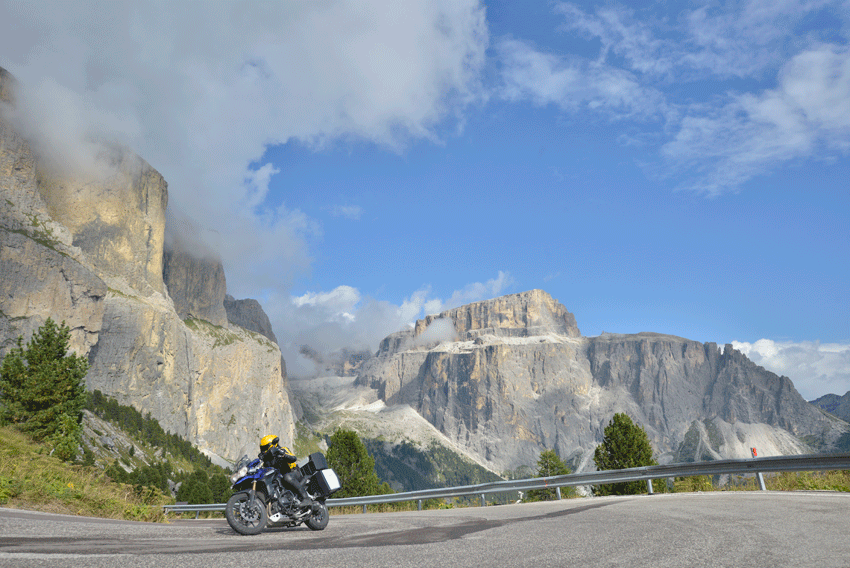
(319, 520)
(245, 519)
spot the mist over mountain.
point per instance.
(90, 246)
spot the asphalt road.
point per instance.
(734, 529)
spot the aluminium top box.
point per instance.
(324, 482)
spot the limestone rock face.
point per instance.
(834, 404)
(518, 315)
(196, 285)
(504, 396)
(6, 86)
(42, 272)
(116, 216)
(37, 283)
(250, 315)
(90, 251)
(222, 388)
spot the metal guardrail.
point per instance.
(812, 462)
(197, 509)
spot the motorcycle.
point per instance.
(260, 497)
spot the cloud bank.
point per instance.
(343, 319)
(815, 368)
(202, 90)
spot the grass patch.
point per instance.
(31, 479)
(220, 335)
(306, 441)
(806, 481)
(42, 237)
(838, 480)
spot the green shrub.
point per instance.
(624, 445)
(42, 390)
(550, 464)
(353, 465)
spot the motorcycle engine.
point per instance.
(285, 502)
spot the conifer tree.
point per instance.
(549, 464)
(42, 389)
(195, 490)
(624, 445)
(353, 465)
(220, 487)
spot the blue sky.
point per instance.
(677, 167)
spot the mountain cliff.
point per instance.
(516, 377)
(834, 404)
(89, 247)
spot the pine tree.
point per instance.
(195, 490)
(624, 445)
(353, 465)
(549, 464)
(220, 487)
(42, 389)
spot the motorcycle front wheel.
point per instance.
(243, 517)
(320, 518)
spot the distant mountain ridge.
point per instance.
(835, 404)
(518, 377)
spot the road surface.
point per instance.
(734, 529)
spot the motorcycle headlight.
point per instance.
(243, 471)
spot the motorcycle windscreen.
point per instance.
(327, 481)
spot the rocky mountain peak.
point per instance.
(518, 378)
(249, 314)
(834, 404)
(526, 314)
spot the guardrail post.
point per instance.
(419, 504)
(758, 473)
(483, 501)
(364, 508)
(649, 486)
(558, 491)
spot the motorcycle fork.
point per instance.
(252, 493)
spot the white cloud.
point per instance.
(621, 34)
(338, 304)
(740, 39)
(744, 39)
(342, 318)
(807, 116)
(258, 184)
(200, 91)
(441, 329)
(478, 291)
(815, 368)
(572, 83)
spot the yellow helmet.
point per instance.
(267, 442)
